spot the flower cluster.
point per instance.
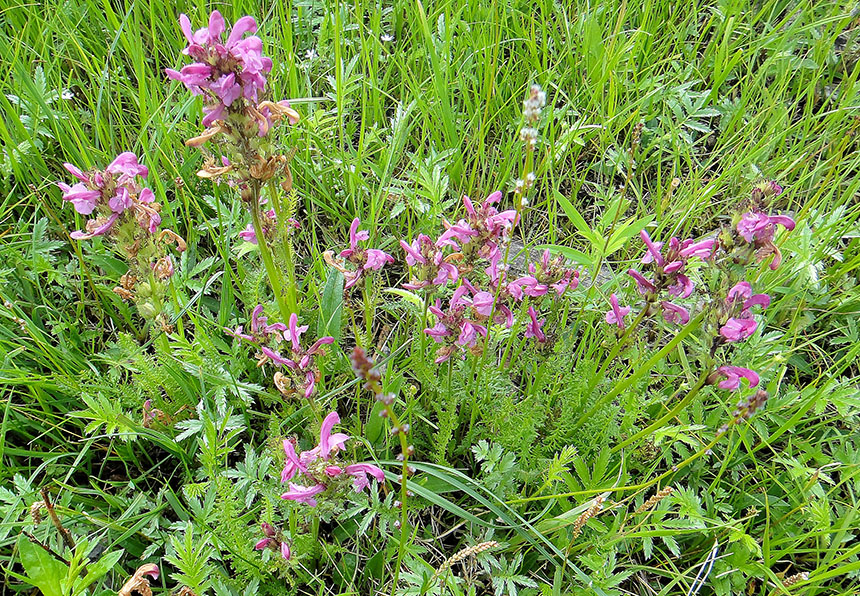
(112, 195)
(458, 326)
(430, 267)
(548, 274)
(319, 467)
(362, 259)
(231, 75)
(226, 72)
(302, 372)
(481, 234)
(740, 323)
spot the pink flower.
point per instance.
(316, 465)
(224, 71)
(431, 269)
(249, 234)
(364, 259)
(301, 363)
(733, 376)
(616, 315)
(674, 313)
(360, 472)
(83, 199)
(112, 193)
(454, 323)
(643, 285)
(263, 544)
(757, 226)
(738, 329)
(533, 328)
(285, 551)
(548, 273)
(479, 234)
(304, 494)
(759, 229)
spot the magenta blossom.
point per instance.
(318, 466)
(616, 315)
(260, 331)
(548, 274)
(300, 362)
(668, 263)
(740, 323)
(268, 224)
(226, 72)
(480, 234)
(533, 328)
(674, 313)
(454, 327)
(733, 376)
(431, 269)
(759, 230)
(113, 195)
(365, 259)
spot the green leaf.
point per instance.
(331, 306)
(97, 570)
(574, 255)
(575, 217)
(43, 570)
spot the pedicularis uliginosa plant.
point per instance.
(468, 344)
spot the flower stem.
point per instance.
(271, 271)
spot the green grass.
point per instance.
(394, 132)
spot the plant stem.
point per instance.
(271, 271)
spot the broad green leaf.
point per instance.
(331, 306)
(575, 217)
(43, 570)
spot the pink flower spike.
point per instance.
(303, 494)
(617, 314)
(734, 374)
(674, 313)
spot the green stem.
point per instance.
(271, 271)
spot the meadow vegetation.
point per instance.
(511, 298)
